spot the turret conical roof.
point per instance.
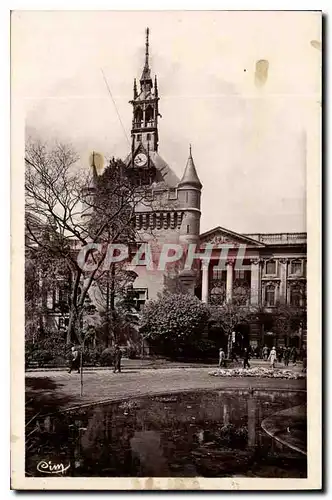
(190, 175)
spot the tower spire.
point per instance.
(147, 48)
(146, 76)
(145, 107)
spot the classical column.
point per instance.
(229, 280)
(255, 282)
(283, 281)
(205, 282)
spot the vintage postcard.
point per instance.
(166, 250)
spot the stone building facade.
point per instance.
(273, 265)
(272, 268)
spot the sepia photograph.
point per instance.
(165, 258)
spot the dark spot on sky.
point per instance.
(261, 74)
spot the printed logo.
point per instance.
(49, 468)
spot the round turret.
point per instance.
(189, 195)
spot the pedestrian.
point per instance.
(294, 355)
(286, 356)
(246, 356)
(222, 357)
(74, 360)
(279, 354)
(265, 352)
(117, 359)
(272, 356)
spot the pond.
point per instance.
(206, 434)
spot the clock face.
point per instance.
(140, 159)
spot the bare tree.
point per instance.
(67, 209)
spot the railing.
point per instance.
(280, 238)
(142, 124)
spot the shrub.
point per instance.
(202, 348)
(92, 356)
(107, 357)
(174, 321)
(131, 352)
(50, 348)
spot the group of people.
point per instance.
(74, 361)
(285, 354)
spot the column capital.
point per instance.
(284, 260)
(256, 261)
(230, 262)
(205, 263)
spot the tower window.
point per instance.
(187, 197)
(139, 137)
(149, 114)
(138, 115)
(148, 136)
(188, 228)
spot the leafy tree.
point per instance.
(173, 321)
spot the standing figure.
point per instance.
(294, 355)
(117, 359)
(272, 357)
(265, 352)
(221, 357)
(286, 356)
(246, 358)
(74, 360)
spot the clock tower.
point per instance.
(144, 130)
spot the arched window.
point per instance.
(217, 295)
(270, 295)
(295, 296)
(149, 114)
(240, 294)
(138, 116)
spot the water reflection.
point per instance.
(211, 434)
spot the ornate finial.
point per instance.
(135, 88)
(190, 150)
(155, 85)
(147, 48)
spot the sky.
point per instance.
(242, 87)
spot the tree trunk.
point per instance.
(112, 304)
(81, 367)
(73, 326)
